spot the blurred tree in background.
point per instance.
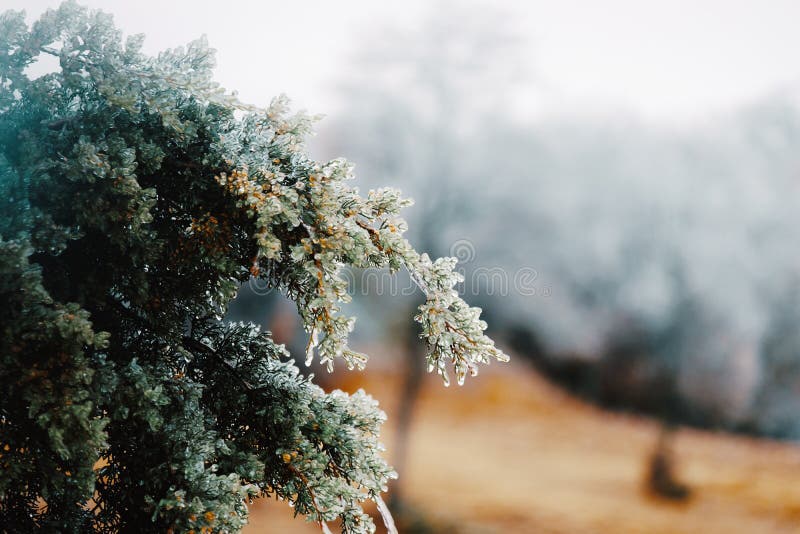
(139, 196)
(424, 137)
(664, 264)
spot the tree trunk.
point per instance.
(661, 480)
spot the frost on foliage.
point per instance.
(138, 196)
(285, 192)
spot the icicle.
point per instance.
(445, 377)
(310, 347)
(461, 374)
(386, 514)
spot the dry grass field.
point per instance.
(508, 452)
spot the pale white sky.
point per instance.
(672, 61)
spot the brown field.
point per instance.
(510, 453)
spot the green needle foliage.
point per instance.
(137, 196)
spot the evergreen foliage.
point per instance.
(137, 196)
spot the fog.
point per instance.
(685, 237)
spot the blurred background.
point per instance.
(620, 182)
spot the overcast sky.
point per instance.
(673, 61)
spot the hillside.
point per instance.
(508, 452)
